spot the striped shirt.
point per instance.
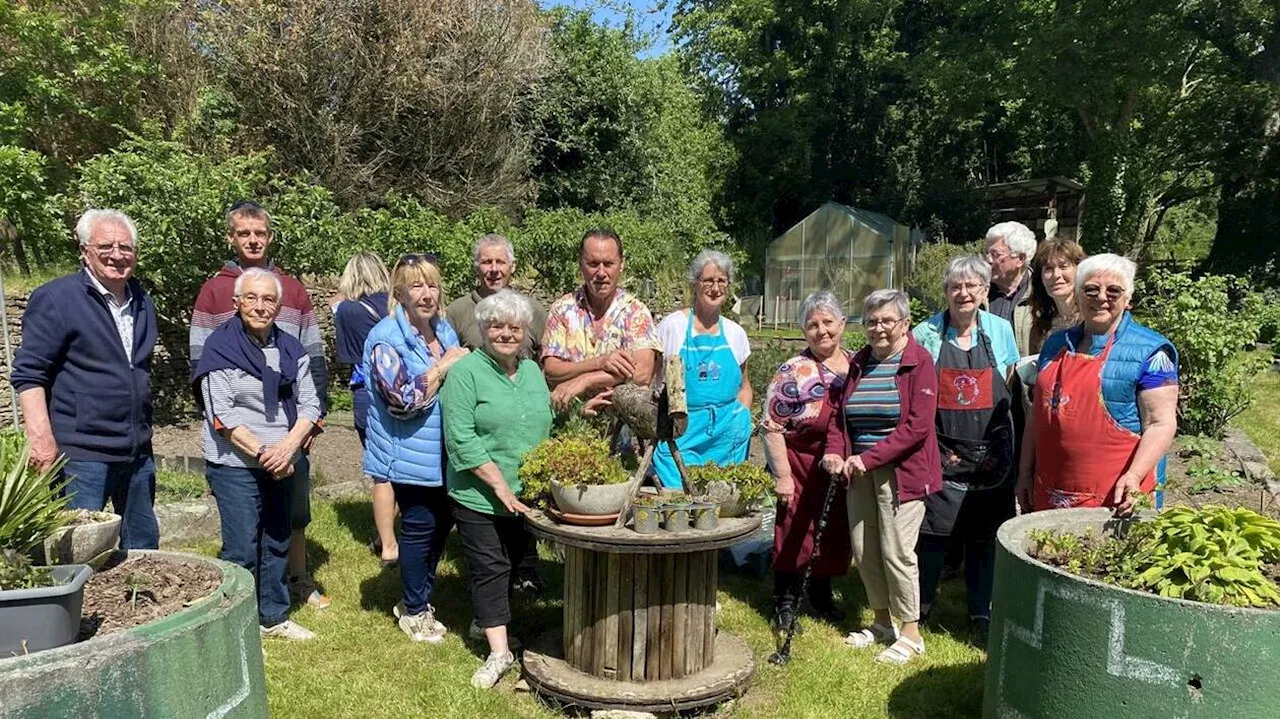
(233, 398)
(873, 408)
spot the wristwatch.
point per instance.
(262, 449)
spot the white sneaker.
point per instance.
(288, 630)
(422, 627)
(494, 667)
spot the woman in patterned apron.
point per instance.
(1106, 401)
(974, 352)
(715, 352)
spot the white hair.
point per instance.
(504, 306)
(822, 301)
(966, 266)
(90, 220)
(256, 273)
(1018, 237)
(710, 257)
(489, 240)
(880, 298)
(1106, 264)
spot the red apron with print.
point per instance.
(1080, 449)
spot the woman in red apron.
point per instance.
(974, 352)
(1106, 401)
(798, 408)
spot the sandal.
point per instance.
(901, 652)
(874, 634)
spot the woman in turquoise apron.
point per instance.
(720, 425)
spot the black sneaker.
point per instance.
(526, 582)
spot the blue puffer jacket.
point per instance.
(1134, 344)
(407, 451)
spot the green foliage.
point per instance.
(1209, 320)
(572, 458)
(752, 480)
(341, 400)
(1212, 554)
(1208, 476)
(30, 511)
(924, 282)
(173, 486)
(27, 203)
(16, 571)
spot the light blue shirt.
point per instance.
(997, 329)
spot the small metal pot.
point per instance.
(675, 517)
(706, 515)
(646, 520)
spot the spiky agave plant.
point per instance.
(31, 509)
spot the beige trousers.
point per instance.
(884, 543)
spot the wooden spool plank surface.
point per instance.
(599, 630)
(697, 615)
(730, 530)
(709, 623)
(640, 617)
(626, 612)
(668, 616)
(653, 638)
(611, 615)
(572, 583)
(679, 609)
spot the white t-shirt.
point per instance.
(671, 332)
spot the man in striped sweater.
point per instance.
(249, 234)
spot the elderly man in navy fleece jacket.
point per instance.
(83, 376)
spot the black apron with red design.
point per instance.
(975, 429)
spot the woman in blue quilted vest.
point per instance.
(406, 357)
(1105, 402)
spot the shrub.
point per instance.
(571, 459)
(1209, 320)
(924, 282)
(27, 204)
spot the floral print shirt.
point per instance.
(572, 335)
(797, 392)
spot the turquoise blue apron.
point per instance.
(719, 426)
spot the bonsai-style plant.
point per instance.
(31, 509)
(1212, 554)
(736, 487)
(567, 465)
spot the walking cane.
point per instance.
(783, 655)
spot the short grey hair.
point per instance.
(489, 240)
(255, 273)
(1106, 264)
(90, 220)
(710, 257)
(504, 306)
(880, 298)
(966, 266)
(821, 301)
(1017, 236)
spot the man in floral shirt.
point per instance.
(599, 335)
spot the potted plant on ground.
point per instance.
(39, 606)
(1176, 613)
(577, 473)
(737, 488)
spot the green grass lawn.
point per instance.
(363, 666)
(172, 486)
(1262, 421)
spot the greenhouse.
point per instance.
(847, 250)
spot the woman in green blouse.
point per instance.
(496, 407)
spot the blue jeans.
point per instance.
(255, 513)
(131, 487)
(425, 521)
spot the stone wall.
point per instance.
(170, 369)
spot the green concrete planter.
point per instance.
(1063, 646)
(204, 661)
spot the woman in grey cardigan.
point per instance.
(259, 403)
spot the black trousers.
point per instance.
(786, 592)
(493, 546)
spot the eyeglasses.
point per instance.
(411, 260)
(970, 287)
(877, 324)
(994, 257)
(251, 300)
(105, 251)
(1113, 292)
(714, 282)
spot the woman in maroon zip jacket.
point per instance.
(883, 442)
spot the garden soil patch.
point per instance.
(1250, 495)
(335, 456)
(163, 588)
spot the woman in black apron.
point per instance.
(975, 429)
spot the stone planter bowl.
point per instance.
(589, 498)
(80, 543)
(728, 496)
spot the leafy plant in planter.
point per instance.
(1213, 554)
(30, 511)
(736, 487)
(574, 460)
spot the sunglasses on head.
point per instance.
(411, 260)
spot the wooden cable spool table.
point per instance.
(639, 627)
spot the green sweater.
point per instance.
(490, 418)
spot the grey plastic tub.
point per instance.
(35, 619)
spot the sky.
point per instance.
(651, 15)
